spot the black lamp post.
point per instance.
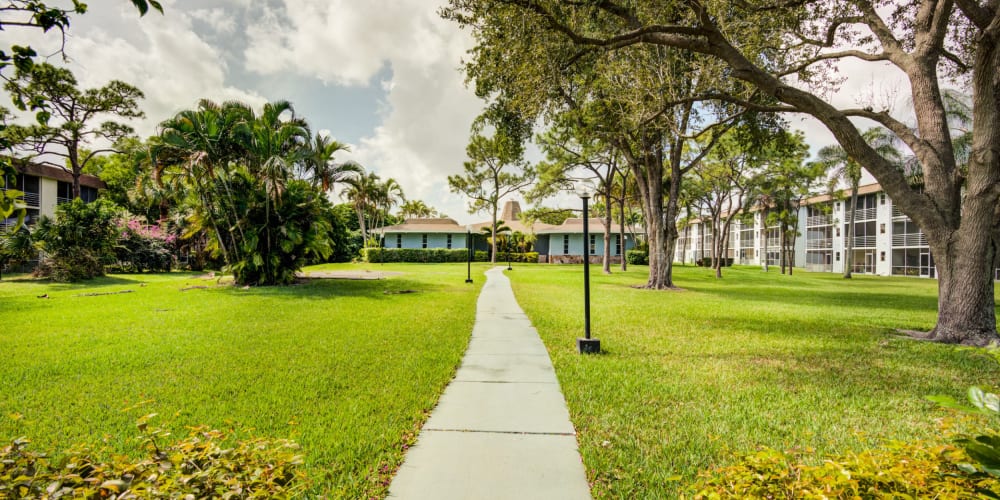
(586, 345)
(468, 244)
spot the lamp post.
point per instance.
(586, 345)
(468, 244)
(509, 237)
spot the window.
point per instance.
(838, 256)
(882, 257)
(565, 244)
(881, 230)
(449, 242)
(838, 232)
(618, 244)
(423, 243)
(593, 244)
(399, 240)
(882, 201)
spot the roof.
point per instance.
(59, 174)
(572, 226)
(437, 225)
(862, 190)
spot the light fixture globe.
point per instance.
(585, 188)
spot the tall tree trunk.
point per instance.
(493, 233)
(782, 235)
(647, 166)
(763, 235)
(607, 235)
(849, 247)
(621, 234)
(687, 241)
(75, 168)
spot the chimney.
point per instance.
(511, 211)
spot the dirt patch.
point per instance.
(349, 275)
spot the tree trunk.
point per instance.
(849, 247)
(607, 236)
(493, 238)
(687, 240)
(763, 236)
(782, 236)
(76, 168)
(621, 234)
(648, 169)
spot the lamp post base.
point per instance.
(588, 346)
(468, 281)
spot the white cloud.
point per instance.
(217, 18)
(161, 55)
(427, 109)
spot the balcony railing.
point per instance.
(909, 240)
(865, 214)
(60, 200)
(820, 243)
(30, 199)
(819, 220)
(864, 242)
(896, 213)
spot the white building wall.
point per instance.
(883, 240)
(839, 214)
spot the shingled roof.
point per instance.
(438, 225)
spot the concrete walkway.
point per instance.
(501, 429)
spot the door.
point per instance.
(925, 264)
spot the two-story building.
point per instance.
(45, 187)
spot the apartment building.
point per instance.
(885, 242)
(44, 188)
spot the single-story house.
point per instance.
(425, 233)
(565, 244)
(554, 244)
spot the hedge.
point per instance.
(436, 255)
(637, 257)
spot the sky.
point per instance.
(380, 75)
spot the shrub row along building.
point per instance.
(554, 243)
(885, 241)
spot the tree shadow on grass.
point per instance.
(321, 289)
(860, 299)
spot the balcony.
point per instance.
(864, 242)
(60, 200)
(819, 220)
(865, 214)
(819, 243)
(909, 240)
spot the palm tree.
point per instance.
(318, 163)
(842, 167)
(416, 209)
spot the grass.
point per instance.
(340, 366)
(690, 379)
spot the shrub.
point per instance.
(637, 257)
(984, 448)
(900, 470)
(142, 247)
(79, 242)
(205, 464)
(438, 255)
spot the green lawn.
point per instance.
(690, 378)
(340, 366)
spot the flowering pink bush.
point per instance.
(143, 247)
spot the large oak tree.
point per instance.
(934, 43)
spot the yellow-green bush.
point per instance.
(897, 471)
(205, 464)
